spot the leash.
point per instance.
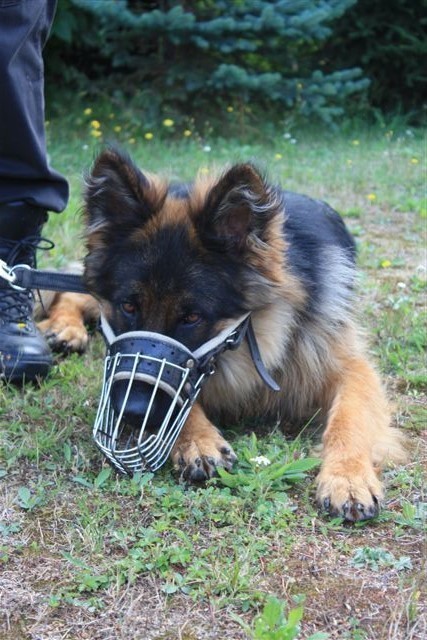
(21, 277)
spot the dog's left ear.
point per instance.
(239, 205)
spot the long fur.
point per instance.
(216, 249)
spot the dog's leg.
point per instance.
(64, 328)
(357, 441)
(200, 448)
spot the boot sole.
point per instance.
(26, 370)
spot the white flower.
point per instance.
(207, 148)
(287, 136)
(261, 461)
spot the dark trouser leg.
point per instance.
(25, 174)
(29, 187)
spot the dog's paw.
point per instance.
(64, 335)
(197, 460)
(352, 496)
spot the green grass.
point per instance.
(87, 554)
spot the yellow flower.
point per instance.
(168, 122)
(230, 109)
(355, 143)
(371, 197)
(111, 115)
(117, 128)
(385, 263)
(414, 160)
(95, 124)
(131, 140)
(204, 170)
(278, 156)
(187, 133)
(87, 111)
(96, 133)
(349, 163)
(148, 135)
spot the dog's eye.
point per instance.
(128, 308)
(191, 318)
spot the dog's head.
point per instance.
(181, 260)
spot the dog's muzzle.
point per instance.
(150, 385)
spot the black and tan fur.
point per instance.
(185, 260)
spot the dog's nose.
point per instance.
(138, 401)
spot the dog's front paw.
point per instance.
(196, 460)
(350, 495)
(64, 335)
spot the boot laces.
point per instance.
(17, 306)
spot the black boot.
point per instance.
(24, 353)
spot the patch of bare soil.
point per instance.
(342, 600)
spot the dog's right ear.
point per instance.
(118, 193)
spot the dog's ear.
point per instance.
(118, 193)
(237, 207)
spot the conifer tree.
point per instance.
(259, 52)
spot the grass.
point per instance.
(89, 555)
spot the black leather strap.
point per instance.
(50, 280)
(256, 357)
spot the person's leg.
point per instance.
(28, 186)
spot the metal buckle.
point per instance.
(8, 273)
(235, 338)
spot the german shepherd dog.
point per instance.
(185, 260)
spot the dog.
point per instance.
(184, 260)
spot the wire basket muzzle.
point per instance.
(150, 384)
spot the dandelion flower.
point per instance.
(414, 160)
(88, 111)
(204, 170)
(168, 122)
(230, 109)
(96, 133)
(355, 143)
(148, 135)
(371, 197)
(95, 124)
(278, 156)
(117, 128)
(131, 140)
(385, 263)
(187, 133)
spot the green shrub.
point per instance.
(246, 54)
